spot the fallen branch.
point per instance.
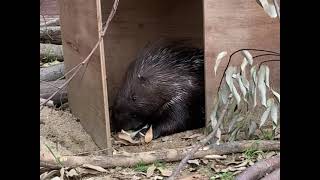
(52, 73)
(47, 89)
(201, 144)
(274, 175)
(50, 34)
(77, 68)
(53, 22)
(51, 51)
(260, 169)
(167, 155)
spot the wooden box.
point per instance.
(215, 25)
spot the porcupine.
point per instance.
(163, 87)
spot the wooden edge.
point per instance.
(104, 80)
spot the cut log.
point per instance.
(50, 35)
(53, 22)
(52, 73)
(51, 51)
(274, 175)
(167, 155)
(48, 88)
(260, 169)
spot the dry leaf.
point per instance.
(217, 167)
(72, 173)
(47, 175)
(97, 168)
(233, 169)
(127, 137)
(150, 170)
(243, 164)
(194, 161)
(213, 156)
(193, 177)
(193, 136)
(121, 142)
(218, 60)
(270, 154)
(149, 135)
(61, 173)
(205, 161)
(164, 172)
(55, 178)
(164, 139)
(157, 177)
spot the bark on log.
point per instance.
(260, 169)
(51, 51)
(52, 73)
(50, 34)
(167, 155)
(48, 88)
(53, 22)
(274, 175)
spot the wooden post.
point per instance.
(104, 80)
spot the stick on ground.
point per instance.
(167, 155)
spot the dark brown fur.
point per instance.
(163, 87)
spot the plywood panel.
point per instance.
(79, 27)
(232, 25)
(139, 22)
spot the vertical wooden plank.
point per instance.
(79, 30)
(232, 25)
(104, 80)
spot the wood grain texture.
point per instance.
(79, 30)
(232, 25)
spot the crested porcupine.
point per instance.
(163, 87)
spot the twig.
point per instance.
(277, 60)
(49, 83)
(261, 50)
(262, 55)
(88, 152)
(78, 67)
(277, 8)
(49, 103)
(54, 22)
(201, 144)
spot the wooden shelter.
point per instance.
(215, 25)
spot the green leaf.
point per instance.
(242, 88)
(274, 113)
(267, 76)
(269, 8)
(262, 86)
(277, 95)
(229, 74)
(218, 60)
(266, 113)
(248, 56)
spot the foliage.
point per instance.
(250, 91)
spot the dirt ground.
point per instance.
(64, 134)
